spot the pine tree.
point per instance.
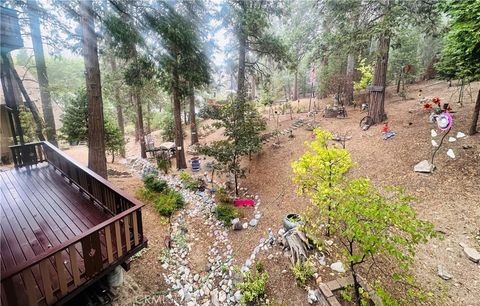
(96, 135)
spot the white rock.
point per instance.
(238, 295)
(452, 139)
(245, 225)
(443, 273)
(450, 153)
(337, 266)
(321, 259)
(206, 290)
(472, 254)
(214, 297)
(433, 133)
(460, 135)
(222, 296)
(424, 166)
(434, 143)
(253, 222)
(312, 296)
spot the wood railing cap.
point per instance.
(93, 174)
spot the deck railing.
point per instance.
(62, 271)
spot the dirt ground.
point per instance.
(449, 198)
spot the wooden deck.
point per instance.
(40, 210)
(60, 232)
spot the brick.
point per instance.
(333, 301)
(325, 290)
(322, 300)
(333, 285)
(345, 281)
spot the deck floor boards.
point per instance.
(40, 210)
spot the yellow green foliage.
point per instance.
(320, 171)
(367, 75)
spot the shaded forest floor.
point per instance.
(449, 198)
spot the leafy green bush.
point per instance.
(259, 266)
(210, 112)
(367, 75)
(188, 181)
(225, 213)
(164, 205)
(146, 195)
(114, 141)
(155, 184)
(303, 271)
(163, 164)
(167, 202)
(253, 287)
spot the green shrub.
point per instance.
(303, 271)
(225, 213)
(188, 181)
(253, 287)
(155, 184)
(165, 205)
(210, 112)
(177, 196)
(163, 164)
(168, 202)
(146, 195)
(259, 266)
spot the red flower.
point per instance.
(427, 106)
(436, 100)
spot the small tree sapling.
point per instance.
(319, 173)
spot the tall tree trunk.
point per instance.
(177, 116)
(376, 109)
(241, 91)
(10, 99)
(254, 87)
(193, 119)
(473, 126)
(304, 87)
(141, 132)
(349, 79)
(322, 92)
(132, 104)
(149, 111)
(295, 86)
(41, 71)
(185, 120)
(96, 135)
(399, 81)
(118, 106)
(29, 103)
